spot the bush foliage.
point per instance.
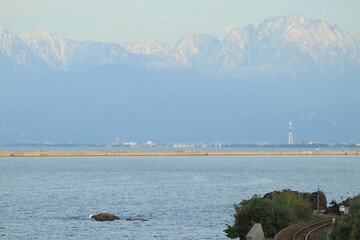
(349, 228)
(273, 214)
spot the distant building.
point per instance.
(290, 135)
(183, 145)
(216, 145)
(150, 143)
(131, 144)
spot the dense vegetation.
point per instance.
(349, 228)
(273, 214)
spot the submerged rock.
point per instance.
(105, 217)
(136, 219)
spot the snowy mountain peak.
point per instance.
(11, 45)
(197, 47)
(40, 35)
(197, 41)
(64, 54)
(150, 47)
(49, 46)
(240, 36)
(14, 54)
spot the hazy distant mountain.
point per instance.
(284, 44)
(244, 88)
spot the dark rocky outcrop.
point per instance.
(312, 197)
(275, 194)
(112, 217)
(105, 217)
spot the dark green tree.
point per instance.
(349, 228)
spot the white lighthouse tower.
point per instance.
(290, 136)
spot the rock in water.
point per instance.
(105, 217)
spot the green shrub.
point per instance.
(349, 228)
(273, 214)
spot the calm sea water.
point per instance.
(182, 197)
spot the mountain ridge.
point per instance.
(279, 44)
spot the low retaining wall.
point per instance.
(255, 233)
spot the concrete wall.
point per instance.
(255, 233)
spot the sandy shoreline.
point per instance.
(178, 153)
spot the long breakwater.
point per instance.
(177, 153)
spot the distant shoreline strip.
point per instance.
(178, 153)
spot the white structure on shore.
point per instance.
(131, 144)
(290, 136)
(150, 144)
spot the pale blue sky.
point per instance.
(167, 20)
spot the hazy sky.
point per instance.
(167, 20)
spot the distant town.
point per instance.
(188, 145)
(151, 144)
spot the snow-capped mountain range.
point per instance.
(245, 87)
(292, 43)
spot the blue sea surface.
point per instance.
(186, 197)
